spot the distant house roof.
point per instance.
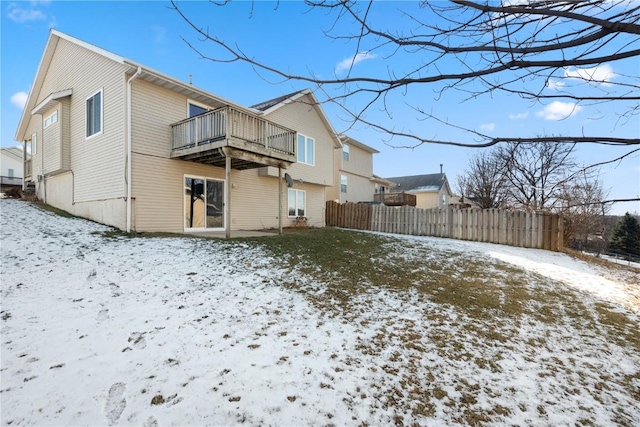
(419, 183)
(13, 152)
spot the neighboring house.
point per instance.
(125, 145)
(11, 162)
(431, 191)
(354, 178)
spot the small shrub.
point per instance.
(13, 193)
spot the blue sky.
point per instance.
(292, 38)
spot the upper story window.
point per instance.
(345, 152)
(94, 114)
(306, 150)
(195, 109)
(53, 118)
(343, 183)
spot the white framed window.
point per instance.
(11, 173)
(343, 183)
(297, 203)
(34, 143)
(306, 150)
(53, 118)
(94, 114)
(345, 152)
(195, 108)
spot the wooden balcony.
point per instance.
(395, 199)
(250, 141)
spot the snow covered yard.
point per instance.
(100, 330)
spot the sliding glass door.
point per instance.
(203, 204)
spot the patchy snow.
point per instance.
(615, 260)
(183, 331)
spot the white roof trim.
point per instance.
(289, 100)
(50, 100)
(119, 59)
(346, 139)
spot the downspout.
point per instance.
(24, 166)
(128, 172)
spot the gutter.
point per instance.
(128, 172)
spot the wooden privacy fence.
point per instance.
(514, 228)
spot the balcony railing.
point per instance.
(10, 180)
(228, 123)
(27, 168)
(395, 199)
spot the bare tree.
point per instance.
(535, 172)
(484, 181)
(580, 202)
(544, 52)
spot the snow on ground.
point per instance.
(180, 331)
(616, 286)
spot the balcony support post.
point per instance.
(227, 196)
(279, 200)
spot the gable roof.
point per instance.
(419, 183)
(148, 74)
(350, 141)
(152, 76)
(271, 105)
(13, 152)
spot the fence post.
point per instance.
(560, 233)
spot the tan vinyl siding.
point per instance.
(64, 118)
(37, 160)
(303, 118)
(158, 190)
(52, 138)
(426, 200)
(358, 170)
(333, 192)
(158, 181)
(360, 162)
(153, 111)
(254, 201)
(98, 162)
(359, 189)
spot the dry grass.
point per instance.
(342, 272)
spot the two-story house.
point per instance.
(11, 160)
(354, 178)
(125, 145)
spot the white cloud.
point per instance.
(347, 63)
(600, 73)
(21, 15)
(19, 99)
(487, 127)
(519, 116)
(558, 110)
